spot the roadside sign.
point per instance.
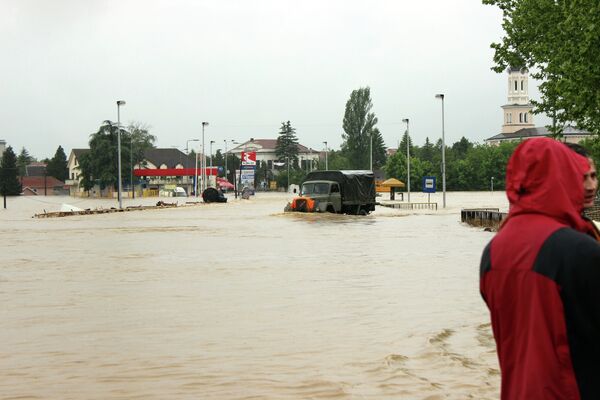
(429, 184)
(249, 158)
(247, 177)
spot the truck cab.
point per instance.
(326, 195)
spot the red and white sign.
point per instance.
(248, 158)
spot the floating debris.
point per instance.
(67, 212)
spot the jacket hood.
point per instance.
(546, 177)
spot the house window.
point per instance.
(522, 85)
(516, 87)
(520, 117)
(509, 118)
(525, 116)
(270, 164)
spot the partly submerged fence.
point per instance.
(484, 217)
(411, 206)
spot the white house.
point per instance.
(266, 151)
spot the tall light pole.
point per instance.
(119, 104)
(326, 151)
(131, 164)
(210, 146)
(371, 151)
(196, 180)
(407, 159)
(288, 178)
(203, 158)
(441, 96)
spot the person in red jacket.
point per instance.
(540, 278)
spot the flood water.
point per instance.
(244, 301)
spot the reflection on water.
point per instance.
(243, 301)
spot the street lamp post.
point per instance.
(131, 165)
(203, 158)
(119, 104)
(288, 177)
(211, 143)
(407, 159)
(492, 184)
(196, 180)
(371, 151)
(441, 96)
(326, 151)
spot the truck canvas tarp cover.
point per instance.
(356, 186)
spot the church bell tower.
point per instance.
(517, 112)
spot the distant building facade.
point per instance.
(266, 151)
(518, 116)
(2, 147)
(43, 185)
(162, 169)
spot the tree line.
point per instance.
(13, 167)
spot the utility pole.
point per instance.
(407, 159)
(441, 96)
(119, 104)
(203, 158)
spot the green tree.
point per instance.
(23, 160)
(261, 174)
(402, 145)
(219, 161)
(233, 164)
(559, 41)
(100, 164)
(593, 147)
(461, 147)
(9, 181)
(359, 128)
(395, 166)
(336, 160)
(427, 151)
(287, 144)
(57, 166)
(139, 140)
(297, 175)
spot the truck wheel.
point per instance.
(330, 209)
(362, 212)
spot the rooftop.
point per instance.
(538, 131)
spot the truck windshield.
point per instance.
(315, 188)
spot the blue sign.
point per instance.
(220, 169)
(429, 184)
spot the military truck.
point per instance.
(342, 192)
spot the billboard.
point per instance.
(247, 177)
(249, 158)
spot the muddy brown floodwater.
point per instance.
(243, 301)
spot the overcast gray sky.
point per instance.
(245, 66)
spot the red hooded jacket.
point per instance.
(540, 278)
